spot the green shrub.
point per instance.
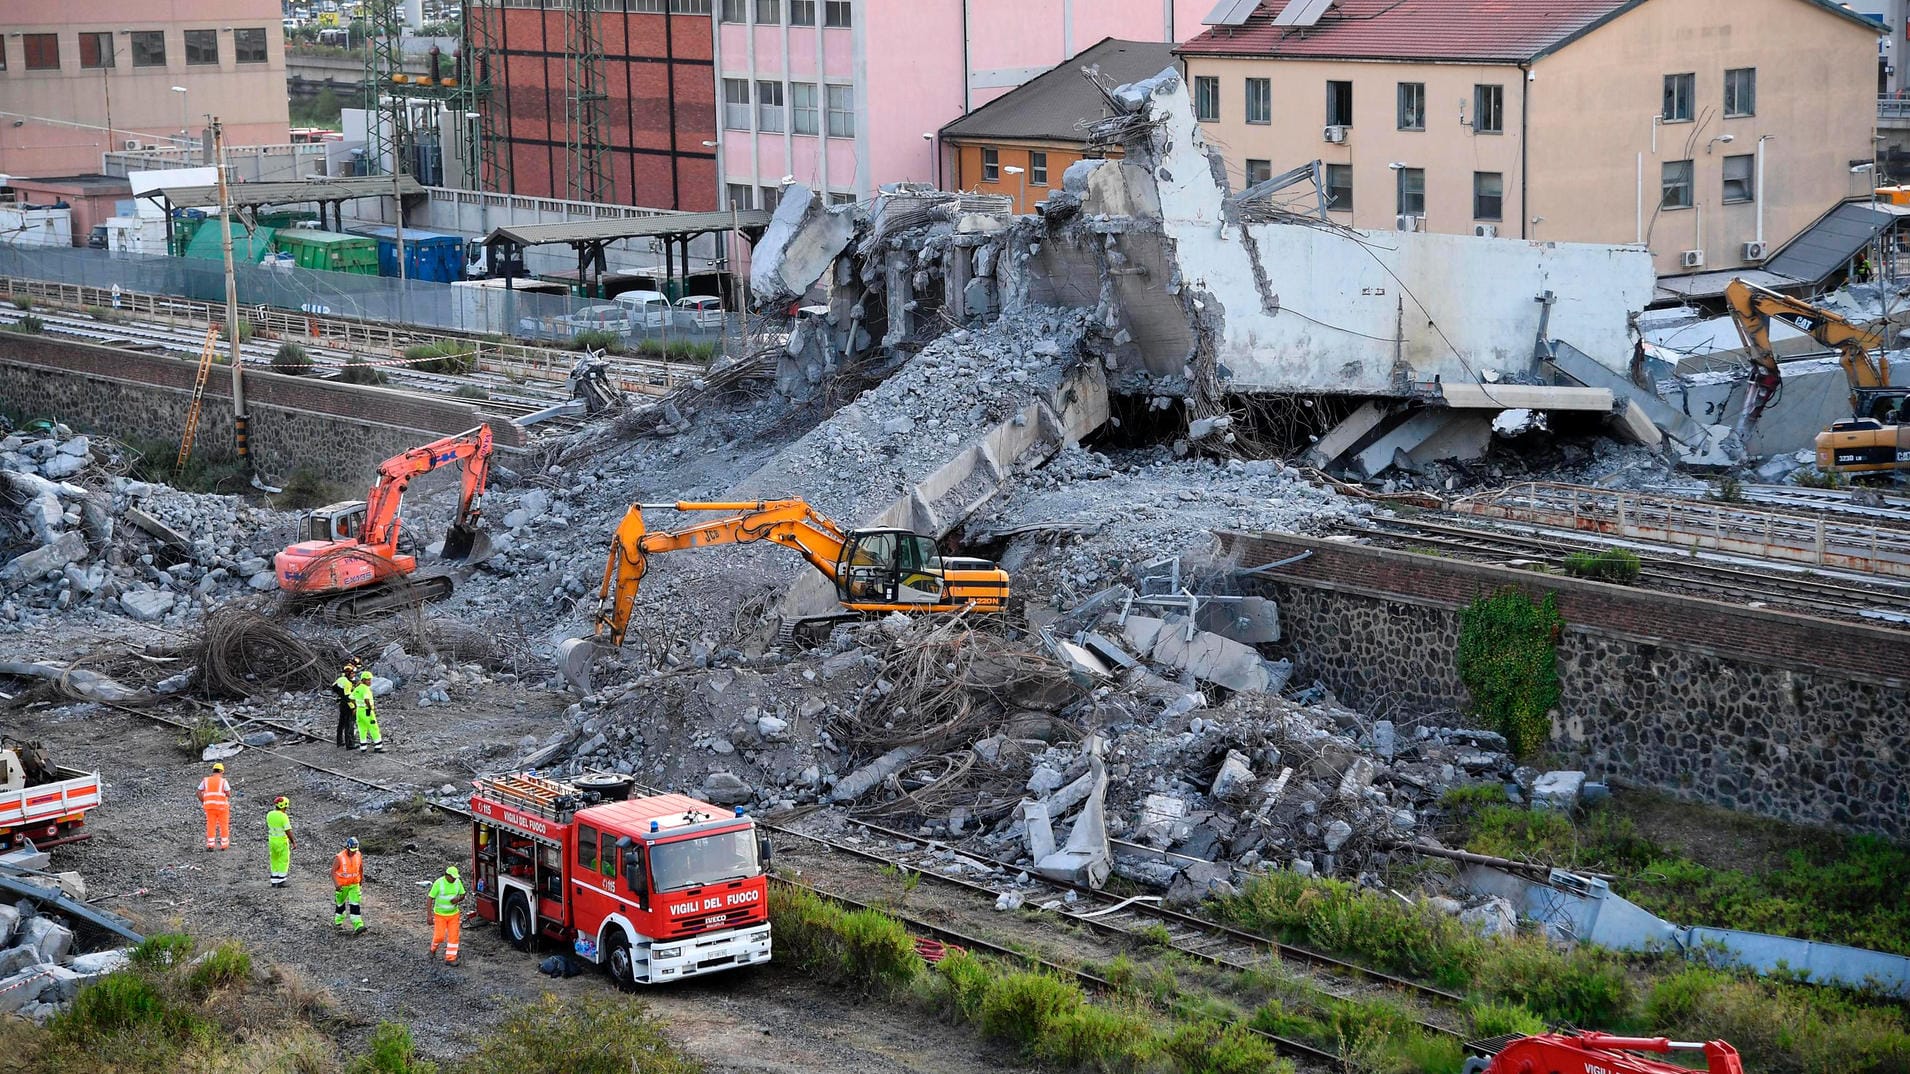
(1584, 986)
(1091, 1037)
(22, 302)
(595, 1034)
(163, 949)
(1211, 1048)
(677, 350)
(1508, 659)
(291, 359)
(1811, 477)
(1782, 1028)
(245, 332)
(1019, 1005)
(963, 986)
(471, 391)
(359, 371)
(1616, 565)
(221, 967)
(1415, 940)
(597, 340)
(857, 949)
(444, 356)
(392, 1052)
(1730, 490)
(28, 323)
(1496, 1019)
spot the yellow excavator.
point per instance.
(875, 571)
(1877, 438)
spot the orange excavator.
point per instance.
(1877, 438)
(351, 558)
(1587, 1052)
(875, 571)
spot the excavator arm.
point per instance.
(471, 447)
(1752, 308)
(791, 523)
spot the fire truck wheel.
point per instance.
(517, 923)
(622, 968)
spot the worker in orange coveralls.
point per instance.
(215, 797)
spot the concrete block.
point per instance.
(1581, 367)
(1395, 447)
(1464, 436)
(1635, 425)
(9, 921)
(1461, 395)
(1235, 777)
(46, 937)
(15, 959)
(68, 547)
(1558, 790)
(147, 605)
(1249, 621)
(23, 987)
(1494, 917)
(1343, 436)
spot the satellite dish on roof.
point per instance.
(1302, 12)
(1231, 13)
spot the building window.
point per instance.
(738, 195)
(1412, 191)
(842, 111)
(202, 48)
(1488, 109)
(1676, 185)
(736, 104)
(769, 12)
(1339, 187)
(991, 167)
(1038, 169)
(735, 10)
(1259, 100)
(1259, 171)
(836, 13)
(1488, 195)
(690, 7)
(647, 7)
(248, 45)
(1206, 98)
(1339, 104)
(1740, 92)
(42, 51)
(838, 198)
(96, 50)
(1739, 181)
(149, 48)
(1412, 106)
(772, 196)
(802, 12)
(769, 107)
(805, 110)
(1679, 89)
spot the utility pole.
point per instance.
(231, 298)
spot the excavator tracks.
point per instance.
(363, 604)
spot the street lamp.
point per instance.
(1020, 203)
(185, 114)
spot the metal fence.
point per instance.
(482, 310)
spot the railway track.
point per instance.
(1878, 506)
(1125, 919)
(1833, 594)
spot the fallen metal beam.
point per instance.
(113, 923)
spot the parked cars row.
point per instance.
(630, 314)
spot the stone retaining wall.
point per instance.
(1752, 709)
(339, 431)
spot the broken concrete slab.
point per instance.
(1249, 621)
(1086, 860)
(1558, 790)
(1583, 368)
(68, 547)
(1396, 446)
(1465, 396)
(45, 937)
(1208, 656)
(156, 528)
(801, 243)
(865, 779)
(1341, 438)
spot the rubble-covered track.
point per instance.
(1830, 594)
(1134, 920)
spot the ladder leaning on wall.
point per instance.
(206, 355)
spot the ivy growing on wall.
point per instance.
(1508, 659)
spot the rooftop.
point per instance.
(1051, 106)
(1491, 31)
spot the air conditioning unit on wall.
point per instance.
(1409, 222)
(131, 144)
(1336, 134)
(1755, 251)
(1486, 231)
(1693, 259)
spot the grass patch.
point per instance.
(677, 350)
(857, 949)
(1417, 941)
(306, 489)
(592, 339)
(158, 461)
(391, 1052)
(21, 302)
(27, 323)
(291, 360)
(597, 1034)
(359, 371)
(1615, 565)
(471, 391)
(1811, 477)
(1783, 1028)
(444, 356)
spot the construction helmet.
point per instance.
(281, 802)
(218, 767)
(364, 676)
(351, 842)
(451, 871)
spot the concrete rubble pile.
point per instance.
(41, 969)
(80, 539)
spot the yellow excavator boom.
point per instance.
(1752, 308)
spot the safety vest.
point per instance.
(361, 695)
(442, 893)
(348, 868)
(278, 825)
(343, 685)
(213, 791)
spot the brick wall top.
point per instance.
(1776, 638)
(440, 417)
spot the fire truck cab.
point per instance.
(654, 889)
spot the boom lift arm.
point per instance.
(1752, 308)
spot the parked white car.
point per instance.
(607, 317)
(647, 309)
(701, 311)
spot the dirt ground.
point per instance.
(149, 835)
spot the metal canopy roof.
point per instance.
(1834, 239)
(290, 193)
(628, 227)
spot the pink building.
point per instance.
(846, 95)
(77, 80)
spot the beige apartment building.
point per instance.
(78, 79)
(1711, 130)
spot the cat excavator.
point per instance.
(875, 571)
(351, 559)
(1874, 440)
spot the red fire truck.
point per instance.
(654, 889)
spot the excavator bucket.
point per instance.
(574, 657)
(466, 544)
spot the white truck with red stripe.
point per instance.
(42, 803)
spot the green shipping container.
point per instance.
(246, 249)
(330, 251)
